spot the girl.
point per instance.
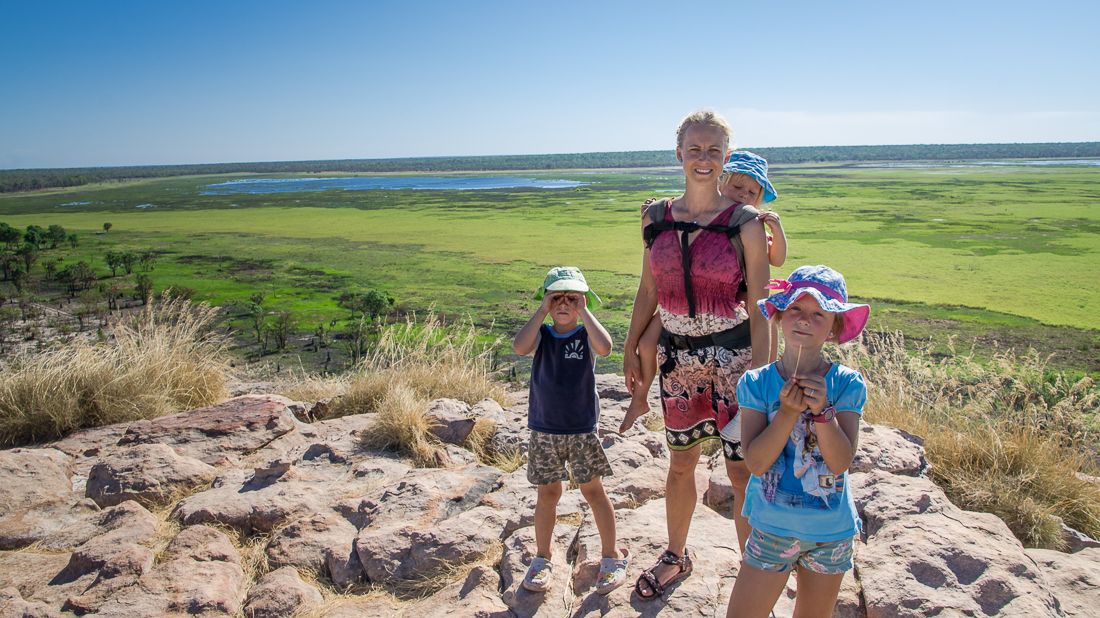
(799, 432)
(744, 180)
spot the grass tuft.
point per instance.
(1009, 437)
(161, 361)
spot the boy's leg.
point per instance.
(545, 469)
(604, 514)
(647, 352)
(546, 515)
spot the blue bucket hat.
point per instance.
(566, 279)
(827, 287)
(745, 162)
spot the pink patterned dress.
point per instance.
(699, 386)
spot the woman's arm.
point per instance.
(645, 303)
(756, 277)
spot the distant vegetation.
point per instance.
(33, 180)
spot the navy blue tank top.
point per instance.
(563, 384)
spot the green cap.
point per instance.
(566, 279)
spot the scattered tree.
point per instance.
(282, 326)
(144, 287)
(107, 227)
(28, 253)
(50, 266)
(9, 235)
(129, 259)
(74, 240)
(114, 262)
(56, 234)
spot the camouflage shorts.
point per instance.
(547, 454)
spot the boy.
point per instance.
(564, 411)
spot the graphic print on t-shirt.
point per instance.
(574, 350)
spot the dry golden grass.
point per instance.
(509, 460)
(1007, 438)
(444, 574)
(161, 361)
(653, 421)
(402, 425)
(478, 442)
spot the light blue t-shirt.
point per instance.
(799, 496)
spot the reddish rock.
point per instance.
(144, 472)
(27, 572)
(280, 593)
(239, 426)
(452, 421)
(888, 449)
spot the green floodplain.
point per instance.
(993, 257)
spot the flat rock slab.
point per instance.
(1073, 579)
(238, 426)
(36, 495)
(144, 473)
(27, 572)
(236, 501)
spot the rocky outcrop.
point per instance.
(314, 500)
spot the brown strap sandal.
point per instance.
(656, 588)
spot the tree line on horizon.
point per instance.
(36, 179)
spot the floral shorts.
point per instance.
(547, 454)
(769, 552)
(699, 396)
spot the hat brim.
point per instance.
(855, 314)
(569, 285)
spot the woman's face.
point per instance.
(703, 153)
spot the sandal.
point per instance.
(613, 572)
(538, 575)
(657, 588)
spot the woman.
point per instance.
(707, 344)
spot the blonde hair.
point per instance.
(730, 176)
(707, 117)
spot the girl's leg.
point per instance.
(546, 515)
(755, 592)
(816, 594)
(604, 514)
(647, 351)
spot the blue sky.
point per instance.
(129, 83)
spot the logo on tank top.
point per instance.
(573, 350)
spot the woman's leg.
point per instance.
(738, 473)
(647, 351)
(680, 499)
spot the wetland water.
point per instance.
(290, 185)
